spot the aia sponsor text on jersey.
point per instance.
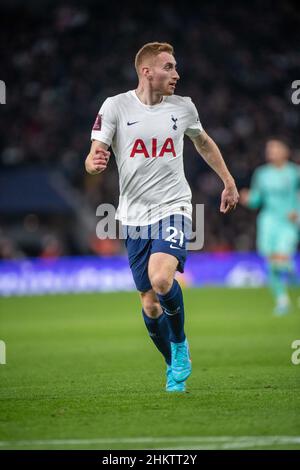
(139, 147)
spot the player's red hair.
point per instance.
(150, 50)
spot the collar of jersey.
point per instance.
(148, 106)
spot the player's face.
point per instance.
(164, 74)
(276, 152)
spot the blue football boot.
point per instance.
(172, 385)
(181, 361)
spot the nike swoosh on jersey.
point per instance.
(130, 123)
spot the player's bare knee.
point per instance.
(151, 309)
(161, 284)
(150, 303)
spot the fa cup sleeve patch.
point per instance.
(97, 124)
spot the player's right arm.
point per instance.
(102, 135)
(98, 157)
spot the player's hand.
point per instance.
(244, 197)
(293, 216)
(229, 198)
(98, 160)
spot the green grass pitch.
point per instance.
(82, 373)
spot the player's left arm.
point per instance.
(210, 152)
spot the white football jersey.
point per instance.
(148, 145)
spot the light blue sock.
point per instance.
(276, 281)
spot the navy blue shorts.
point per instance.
(169, 235)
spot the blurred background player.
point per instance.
(146, 128)
(274, 190)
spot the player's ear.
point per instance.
(147, 73)
(150, 76)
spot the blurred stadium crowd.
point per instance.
(61, 60)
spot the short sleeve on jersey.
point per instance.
(194, 125)
(105, 125)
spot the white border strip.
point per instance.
(204, 442)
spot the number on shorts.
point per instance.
(174, 234)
